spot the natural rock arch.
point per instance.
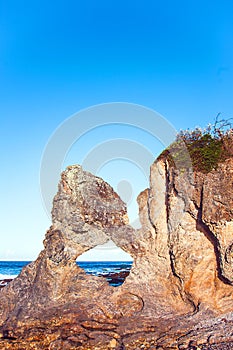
(173, 284)
(88, 212)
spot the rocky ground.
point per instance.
(179, 292)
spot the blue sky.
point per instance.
(57, 58)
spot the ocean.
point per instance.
(115, 272)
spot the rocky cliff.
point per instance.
(179, 293)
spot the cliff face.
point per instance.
(179, 293)
(191, 215)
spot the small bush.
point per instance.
(203, 149)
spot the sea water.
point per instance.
(10, 269)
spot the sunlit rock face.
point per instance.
(179, 292)
(192, 214)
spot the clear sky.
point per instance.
(58, 57)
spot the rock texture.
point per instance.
(179, 293)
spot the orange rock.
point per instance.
(179, 291)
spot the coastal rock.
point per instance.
(201, 236)
(179, 292)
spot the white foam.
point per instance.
(3, 277)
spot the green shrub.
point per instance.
(201, 149)
(205, 153)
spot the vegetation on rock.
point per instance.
(202, 149)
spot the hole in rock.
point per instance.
(108, 261)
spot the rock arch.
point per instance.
(53, 299)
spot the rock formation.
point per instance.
(179, 293)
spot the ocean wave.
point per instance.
(5, 277)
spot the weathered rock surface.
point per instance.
(179, 293)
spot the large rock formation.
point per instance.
(179, 293)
